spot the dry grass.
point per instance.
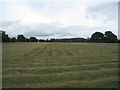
(62, 65)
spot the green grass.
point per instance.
(60, 65)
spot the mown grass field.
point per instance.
(60, 65)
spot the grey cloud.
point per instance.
(108, 9)
(41, 34)
(37, 29)
(48, 30)
(52, 30)
(9, 23)
(49, 5)
(43, 30)
(94, 7)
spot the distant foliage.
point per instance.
(33, 39)
(108, 37)
(69, 40)
(96, 37)
(21, 38)
(5, 37)
(13, 39)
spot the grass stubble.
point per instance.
(60, 65)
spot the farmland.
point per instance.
(60, 65)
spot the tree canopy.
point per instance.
(97, 37)
(33, 39)
(5, 37)
(21, 38)
(110, 37)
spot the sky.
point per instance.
(46, 19)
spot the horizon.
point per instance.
(87, 38)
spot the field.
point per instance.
(60, 65)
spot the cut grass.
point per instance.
(58, 69)
(61, 65)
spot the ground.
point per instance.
(60, 65)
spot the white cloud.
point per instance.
(75, 15)
(72, 18)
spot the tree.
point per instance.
(5, 37)
(1, 36)
(119, 41)
(21, 38)
(97, 37)
(41, 40)
(13, 39)
(26, 40)
(88, 39)
(33, 39)
(47, 40)
(110, 37)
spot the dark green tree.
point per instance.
(47, 40)
(41, 40)
(97, 37)
(33, 39)
(110, 37)
(26, 40)
(13, 39)
(5, 37)
(21, 38)
(1, 36)
(119, 41)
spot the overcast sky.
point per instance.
(47, 19)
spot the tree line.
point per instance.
(96, 37)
